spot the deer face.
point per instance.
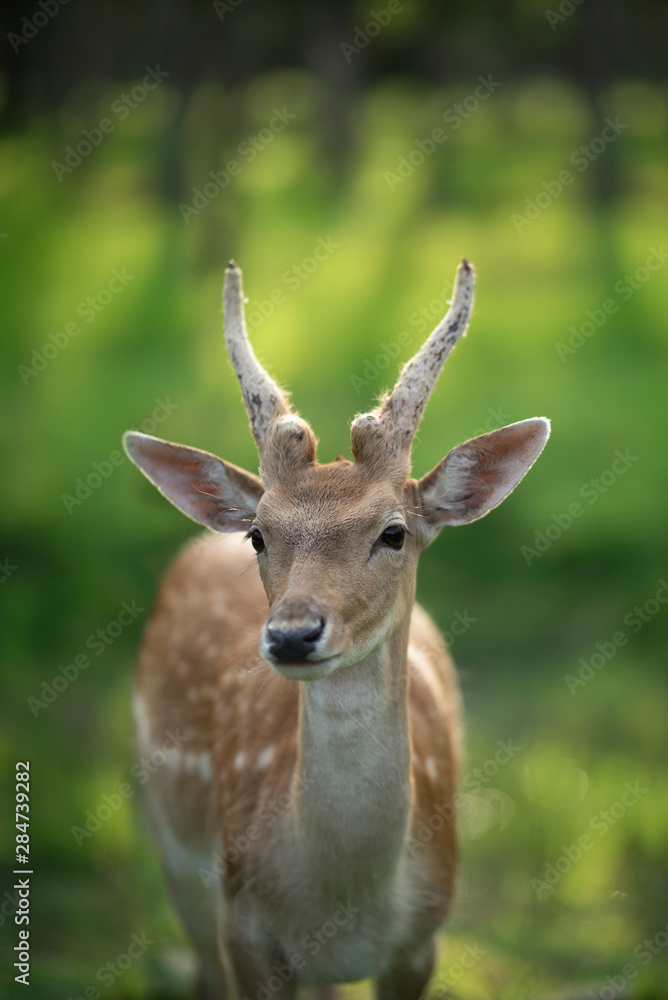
(337, 559)
(337, 545)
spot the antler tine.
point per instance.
(262, 397)
(402, 411)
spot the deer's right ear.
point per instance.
(215, 493)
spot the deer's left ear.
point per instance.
(477, 475)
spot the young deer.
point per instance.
(315, 701)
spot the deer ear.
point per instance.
(213, 492)
(476, 476)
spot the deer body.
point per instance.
(315, 706)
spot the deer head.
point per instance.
(337, 545)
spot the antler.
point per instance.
(387, 432)
(396, 419)
(263, 399)
(284, 441)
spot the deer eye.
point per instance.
(257, 541)
(393, 536)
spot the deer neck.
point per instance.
(353, 768)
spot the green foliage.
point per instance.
(393, 248)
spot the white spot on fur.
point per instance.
(420, 663)
(239, 760)
(266, 756)
(174, 760)
(205, 769)
(432, 770)
(141, 720)
(190, 761)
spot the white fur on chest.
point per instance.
(341, 900)
(342, 938)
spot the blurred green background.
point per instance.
(569, 322)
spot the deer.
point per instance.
(317, 706)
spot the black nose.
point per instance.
(293, 645)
